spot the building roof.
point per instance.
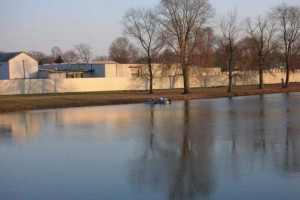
(79, 63)
(64, 71)
(103, 62)
(5, 57)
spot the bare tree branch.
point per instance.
(180, 21)
(288, 21)
(261, 31)
(84, 52)
(141, 25)
(122, 51)
(230, 30)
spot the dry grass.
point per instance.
(50, 101)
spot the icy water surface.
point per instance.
(240, 148)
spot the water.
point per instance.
(240, 148)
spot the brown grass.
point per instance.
(50, 101)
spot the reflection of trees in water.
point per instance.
(232, 130)
(264, 130)
(182, 164)
(292, 149)
(260, 135)
(194, 175)
(281, 137)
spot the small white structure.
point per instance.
(18, 65)
(72, 70)
(96, 69)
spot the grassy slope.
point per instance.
(49, 101)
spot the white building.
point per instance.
(18, 65)
(115, 70)
(107, 69)
(74, 70)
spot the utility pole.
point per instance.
(24, 68)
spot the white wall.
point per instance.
(16, 67)
(111, 70)
(33, 86)
(57, 75)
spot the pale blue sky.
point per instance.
(42, 24)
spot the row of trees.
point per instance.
(80, 53)
(266, 42)
(178, 32)
(181, 32)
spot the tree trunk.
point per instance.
(230, 70)
(261, 79)
(151, 85)
(186, 80)
(230, 80)
(261, 74)
(151, 76)
(287, 79)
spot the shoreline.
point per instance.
(18, 103)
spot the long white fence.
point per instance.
(40, 86)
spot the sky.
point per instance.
(39, 25)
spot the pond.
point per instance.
(228, 148)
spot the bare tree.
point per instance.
(84, 52)
(101, 58)
(56, 52)
(203, 55)
(181, 21)
(122, 51)
(70, 56)
(230, 30)
(39, 56)
(288, 19)
(261, 31)
(141, 25)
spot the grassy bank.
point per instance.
(50, 101)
